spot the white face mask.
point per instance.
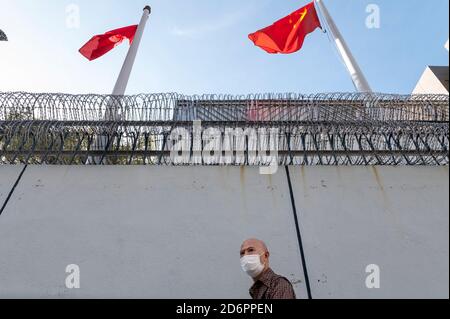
(251, 264)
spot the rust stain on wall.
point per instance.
(304, 182)
(242, 176)
(243, 192)
(381, 187)
(387, 206)
(378, 179)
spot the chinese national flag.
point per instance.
(287, 35)
(102, 44)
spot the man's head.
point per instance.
(254, 257)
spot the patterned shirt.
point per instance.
(272, 286)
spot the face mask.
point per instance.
(251, 264)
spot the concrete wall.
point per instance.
(394, 217)
(8, 177)
(168, 232)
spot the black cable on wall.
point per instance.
(299, 236)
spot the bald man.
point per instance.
(267, 284)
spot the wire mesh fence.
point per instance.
(173, 129)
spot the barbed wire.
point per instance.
(256, 107)
(173, 129)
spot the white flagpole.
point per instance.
(358, 78)
(122, 82)
(124, 76)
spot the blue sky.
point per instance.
(201, 46)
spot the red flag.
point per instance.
(287, 35)
(102, 44)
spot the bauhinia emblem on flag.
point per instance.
(288, 34)
(99, 45)
(3, 36)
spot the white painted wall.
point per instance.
(168, 232)
(395, 217)
(143, 232)
(8, 176)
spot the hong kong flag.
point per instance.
(288, 34)
(99, 45)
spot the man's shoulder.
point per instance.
(280, 280)
(281, 288)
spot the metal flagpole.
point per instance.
(122, 82)
(358, 78)
(124, 76)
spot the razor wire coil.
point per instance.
(148, 129)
